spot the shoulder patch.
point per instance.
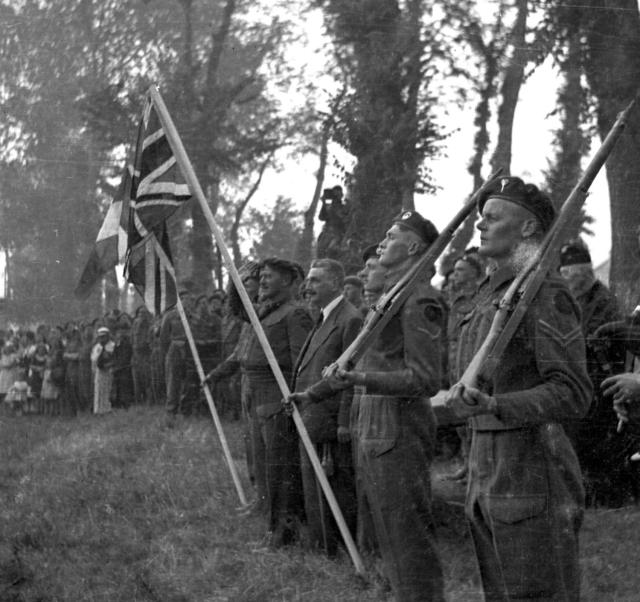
(562, 303)
(432, 312)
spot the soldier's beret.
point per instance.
(282, 266)
(217, 294)
(354, 280)
(574, 253)
(529, 196)
(413, 221)
(370, 251)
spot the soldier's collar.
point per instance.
(392, 275)
(270, 306)
(502, 275)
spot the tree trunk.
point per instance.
(385, 45)
(570, 139)
(613, 73)
(464, 234)
(304, 246)
(510, 89)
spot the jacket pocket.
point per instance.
(513, 509)
(376, 447)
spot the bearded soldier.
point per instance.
(525, 495)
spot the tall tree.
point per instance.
(610, 33)
(72, 100)
(571, 139)
(488, 45)
(388, 49)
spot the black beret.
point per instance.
(574, 253)
(282, 266)
(528, 196)
(413, 221)
(370, 251)
(354, 280)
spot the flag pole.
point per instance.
(187, 169)
(207, 392)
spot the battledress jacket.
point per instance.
(540, 383)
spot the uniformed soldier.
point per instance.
(235, 362)
(173, 347)
(463, 283)
(286, 325)
(400, 371)
(141, 360)
(525, 495)
(600, 449)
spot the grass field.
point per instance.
(118, 508)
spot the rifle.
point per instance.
(389, 304)
(525, 286)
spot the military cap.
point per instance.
(282, 266)
(370, 251)
(574, 253)
(529, 196)
(217, 294)
(354, 280)
(103, 330)
(413, 221)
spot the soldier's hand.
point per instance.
(344, 436)
(624, 388)
(329, 371)
(343, 379)
(299, 399)
(621, 331)
(465, 401)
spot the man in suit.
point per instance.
(324, 412)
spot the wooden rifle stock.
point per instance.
(525, 286)
(387, 306)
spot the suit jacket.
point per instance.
(328, 409)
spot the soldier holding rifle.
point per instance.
(525, 495)
(399, 371)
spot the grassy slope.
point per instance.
(118, 508)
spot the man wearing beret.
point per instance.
(600, 451)
(352, 292)
(400, 371)
(524, 495)
(286, 325)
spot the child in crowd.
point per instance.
(18, 395)
(36, 374)
(8, 364)
(50, 392)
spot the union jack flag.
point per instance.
(150, 269)
(159, 188)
